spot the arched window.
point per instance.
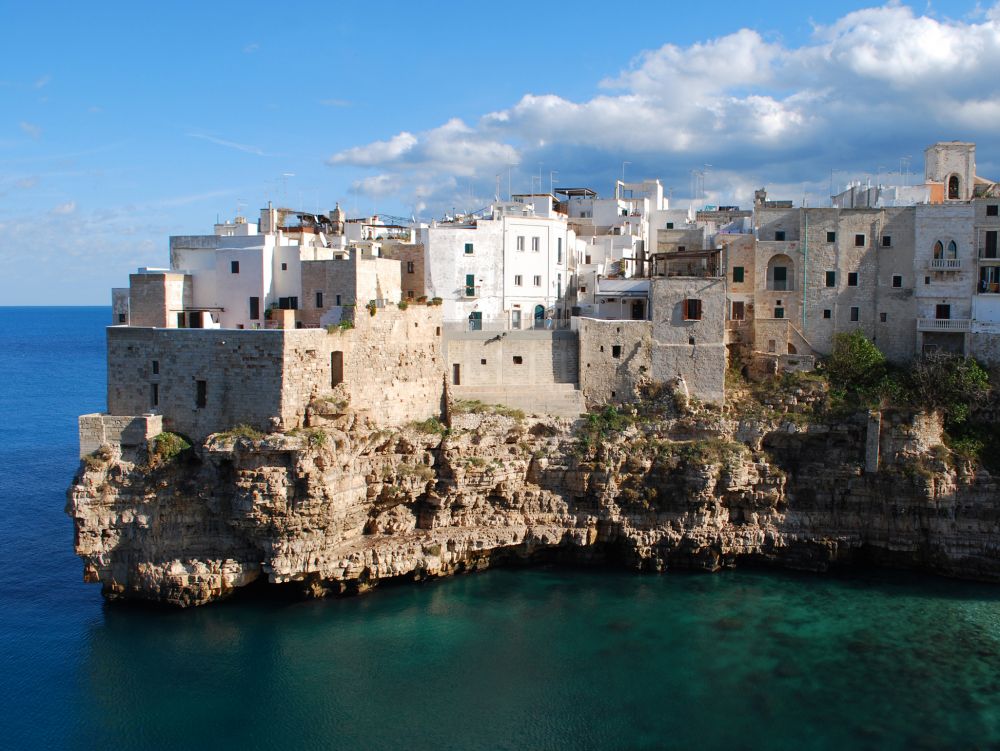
(938, 250)
(952, 250)
(953, 186)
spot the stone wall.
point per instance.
(391, 365)
(694, 350)
(615, 356)
(351, 281)
(155, 299)
(410, 256)
(512, 358)
(241, 371)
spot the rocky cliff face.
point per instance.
(342, 506)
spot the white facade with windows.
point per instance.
(507, 268)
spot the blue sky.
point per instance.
(124, 124)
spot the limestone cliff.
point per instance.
(342, 506)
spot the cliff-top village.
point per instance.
(548, 302)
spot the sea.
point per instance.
(544, 658)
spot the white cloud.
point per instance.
(64, 208)
(877, 79)
(335, 102)
(255, 150)
(31, 130)
(251, 48)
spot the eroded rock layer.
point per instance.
(341, 507)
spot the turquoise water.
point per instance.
(547, 658)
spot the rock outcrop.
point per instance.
(340, 507)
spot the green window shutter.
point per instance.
(470, 285)
(831, 278)
(468, 249)
(737, 274)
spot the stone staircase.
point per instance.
(555, 399)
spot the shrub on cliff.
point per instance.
(855, 362)
(948, 383)
(165, 447)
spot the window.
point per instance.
(692, 309)
(992, 209)
(319, 299)
(990, 250)
(468, 249)
(927, 280)
(779, 312)
(234, 267)
(942, 312)
(470, 285)
(284, 267)
(520, 242)
(855, 314)
(670, 225)
(154, 396)
(288, 303)
(938, 250)
(518, 360)
(537, 280)
(882, 317)
(897, 280)
(558, 250)
(409, 267)
(737, 274)
(779, 235)
(583, 289)
(254, 308)
(121, 318)
(409, 294)
(772, 345)
(200, 394)
(336, 368)
(482, 361)
(852, 279)
(536, 244)
(517, 280)
(616, 351)
(156, 367)
(952, 249)
(739, 311)
(586, 259)
(831, 278)
(831, 237)
(859, 241)
(886, 241)
(953, 187)
(338, 301)
(827, 313)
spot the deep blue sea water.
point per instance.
(548, 658)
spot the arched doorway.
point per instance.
(953, 185)
(780, 273)
(539, 316)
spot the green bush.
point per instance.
(241, 431)
(403, 305)
(430, 426)
(167, 446)
(855, 362)
(948, 383)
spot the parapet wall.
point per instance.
(126, 431)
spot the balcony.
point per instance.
(470, 291)
(945, 264)
(943, 324)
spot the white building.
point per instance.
(505, 268)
